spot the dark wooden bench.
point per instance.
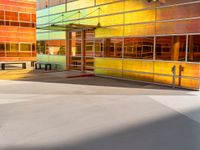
(3, 64)
(33, 63)
(38, 65)
(47, 65)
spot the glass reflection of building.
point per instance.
(132, 39)
(17, 30)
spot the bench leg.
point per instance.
(24, 66)
(32, 63)
(46, 66)
(3, 66)
(50, 67)
(36, 66)
(40, 66)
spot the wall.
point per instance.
(150, 71)
(17, 30)
(61, 60)
(134, 18)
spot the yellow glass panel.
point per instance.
(140, 16)
(108, 66)
(92, 21)
(98, 2)
(189, 70)
(137, 4)
(138, 69)
(89, 12)
(108, 63)
(112, 8)
(139, 29)
(138, 65)
(111, 20)
(109, 31)
(79, 4)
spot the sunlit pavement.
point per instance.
(46, 111)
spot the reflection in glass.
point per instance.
(194, 48)
(139, 48)
(14, 47)
(171, 48)
(25, 47)
(41, 47)
(99, 47)
(2, 49)
(89, 50)
(113, 47)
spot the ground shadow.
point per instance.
(176, 132)
(60, 77)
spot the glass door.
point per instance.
(89, 50)
(81, 50)
(75, 51)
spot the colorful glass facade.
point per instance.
(17, 30)
(131, 39)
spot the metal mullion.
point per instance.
(82, 50)
(186, 48)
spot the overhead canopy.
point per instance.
(71, 26)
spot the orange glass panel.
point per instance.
(11, 15)
(1, 15)
(25, 17)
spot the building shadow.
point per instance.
(60, 77)
(176, 132)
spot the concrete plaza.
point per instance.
(47, 111)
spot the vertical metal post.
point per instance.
(154, 48)
(68, 49)
(186, 49)
(82, 50)
(173, 76)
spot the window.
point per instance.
(14, 47)
(139, 48)
(99, 47)
(1, 15)
(41, 47)
(11, 16)
(113, 47)
(194, 48)
(23, 24)
(33, 17)
(7, 46)
(55, 47)
(1, 22)
(2, 47)
(171, 48)
(25, 47)
(33, 47)
(14, 23)
(25, 17)
(89, 50)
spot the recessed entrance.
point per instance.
(81, 50)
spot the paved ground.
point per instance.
(46, 111)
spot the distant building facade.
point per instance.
(17, 30)
(153, 41)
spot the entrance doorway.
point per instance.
(81, 50)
